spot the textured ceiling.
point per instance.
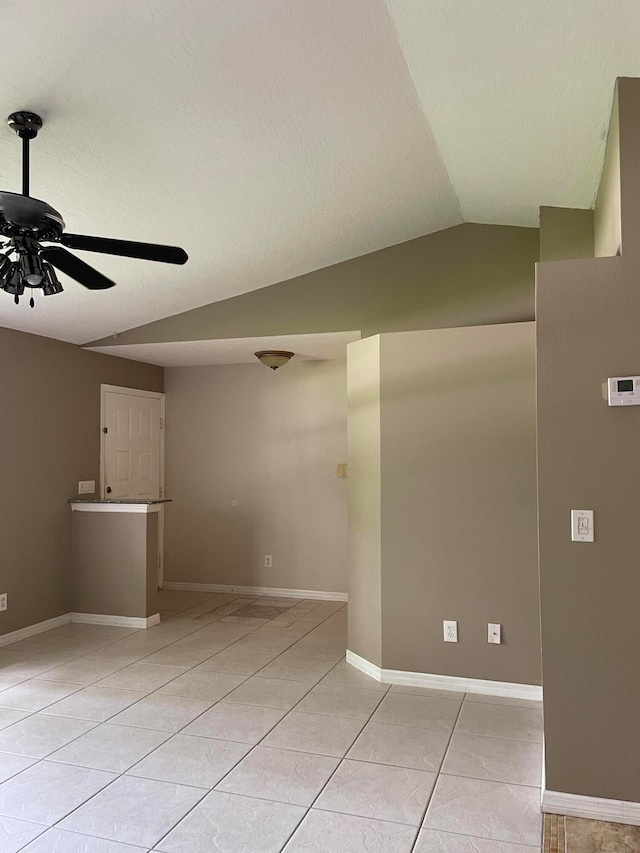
(276, 137)
(329, 345)
(518, 94)
(267, 137)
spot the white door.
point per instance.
(132, 457)
(131, 446)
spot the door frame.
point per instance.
(135, 392)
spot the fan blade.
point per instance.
(126, 248)
(75, 268)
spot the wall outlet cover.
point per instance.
(86, 487)
(450, 630)
(3, 601)
(268, 561)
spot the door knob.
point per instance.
(108, 490)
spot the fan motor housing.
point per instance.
(23, 215)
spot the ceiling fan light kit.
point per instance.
(28, 222)
(273, 358)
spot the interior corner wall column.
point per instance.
(442, 501)
(587, 330)
(364, 502)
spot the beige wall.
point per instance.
(442, 431)
(587, 331)
(114, 556)
(270, 440)
(566, 233)
(463, 276)
(459, 501)
(608, 225)
(365, 601)
(588, 459)
(50, 439)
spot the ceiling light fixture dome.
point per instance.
(274, 358)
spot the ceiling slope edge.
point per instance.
(464, 275)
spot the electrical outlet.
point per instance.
(268, 561)
(494, 633)
(86, 487)
(450, 631)
(3, 601)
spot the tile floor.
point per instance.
(236, 726)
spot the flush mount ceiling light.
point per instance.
(273, 358)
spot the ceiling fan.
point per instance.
(28, 222)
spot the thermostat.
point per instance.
(624, 391)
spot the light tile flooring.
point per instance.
(249, 734)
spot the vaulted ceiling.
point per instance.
(276, 137)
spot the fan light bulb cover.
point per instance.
(31, 269)
(274, 358)
(14, 284)
(5, 267)
(51, 284)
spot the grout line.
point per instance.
(206, 791)
(537, 743)
(493, 781)
(340, 760)
(439, 773)
(526, 848)
(414, 826)
(253, 746)
(95, 725)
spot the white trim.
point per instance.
(257, 590)
(592, 808)
(32, 630)
(445, 682)
(80, 506)
(88, 618)
(124, 621)
(135, 392)
(364, 665)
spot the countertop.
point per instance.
(119, 501)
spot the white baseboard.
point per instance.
(122, 621)
(445, 682)
(592, 808)
(87, 618)
(32, 630)
(257, 590)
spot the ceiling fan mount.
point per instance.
(25, 124)
(27, 222)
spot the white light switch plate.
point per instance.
(582, 525)
(86, 487)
